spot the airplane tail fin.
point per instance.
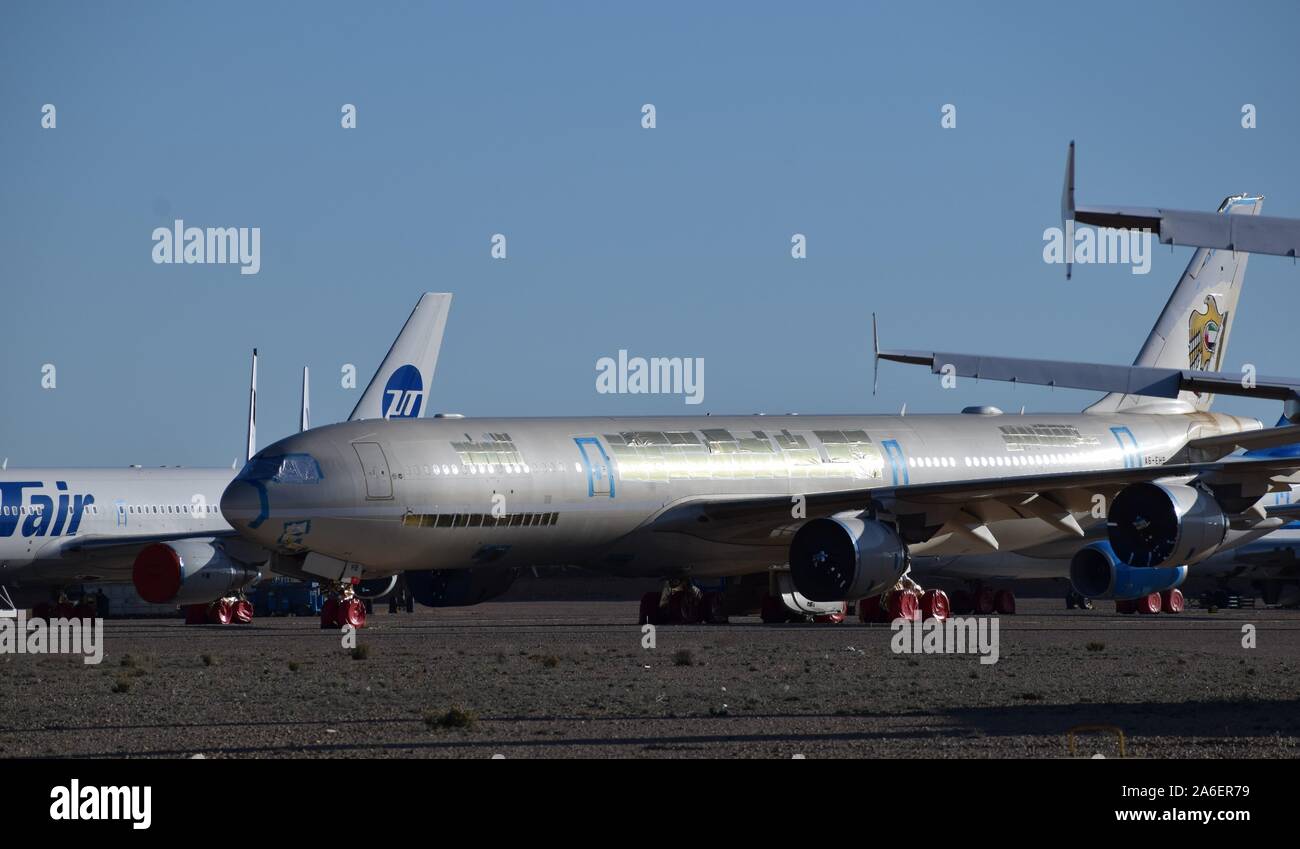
(304, 412)
(399, 388)
(252, 410)
(1192, 331)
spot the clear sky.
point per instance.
(525, 119)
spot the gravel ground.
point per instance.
(560, 679)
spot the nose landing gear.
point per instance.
(342, 609)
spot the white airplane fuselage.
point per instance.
(43, 511)
(461, 493)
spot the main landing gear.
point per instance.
(229, 610)
(681, 602)
(906, 600)
(1169, 601)
(343, 608)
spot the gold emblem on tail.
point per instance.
(1205, 331)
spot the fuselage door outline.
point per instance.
(600, 480)
(897, 461)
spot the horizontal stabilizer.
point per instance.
(1257, 234)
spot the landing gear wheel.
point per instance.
(934, 605)
(329, 613)
(1171, 601)
(242, 611)
(1149, 604)
(352, 612)
(982, 603)
(220, 612)
(903, 604)
(1004, 601)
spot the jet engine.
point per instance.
(458, 587)
(377, 588)
(1095, 572)
(1156, 524)
(845, 558)
(188, 572)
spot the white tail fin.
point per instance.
(400, 387)
(252, 410)
(304, 417)
(1192, 331)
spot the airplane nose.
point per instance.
(243, 505)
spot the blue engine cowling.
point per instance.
(457, 587)
(1095, 572)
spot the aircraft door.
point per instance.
(374, 465)
(595, 462)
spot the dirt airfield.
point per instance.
(554, 678)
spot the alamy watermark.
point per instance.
(955, 635)
(651, 376)
(20, 635)
(212, 245)
(1103, 246)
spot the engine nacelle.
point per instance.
(845, 558)
(188, 572)
(1158, 524)
(458, 587)
(376, 588)
(1096, 572)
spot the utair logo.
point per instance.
(404, 393)
(36, 514)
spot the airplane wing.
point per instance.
(964, 507)
(106, 543)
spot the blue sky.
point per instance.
(524, 119)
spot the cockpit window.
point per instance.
(286, 468)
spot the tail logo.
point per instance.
(1205, 329)
(404, 393)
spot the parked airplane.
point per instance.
(160, 528)
(833, 506)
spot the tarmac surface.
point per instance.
(561, 678)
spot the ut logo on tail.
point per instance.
(1205, 330)
(404, 393)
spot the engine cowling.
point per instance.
(458, 587)
(1157, 524)
(188, 572)
(376, 588)
(1096, 572)
(845, 558)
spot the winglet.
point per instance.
(1067, 205)
(252, 410)
(304, 418)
